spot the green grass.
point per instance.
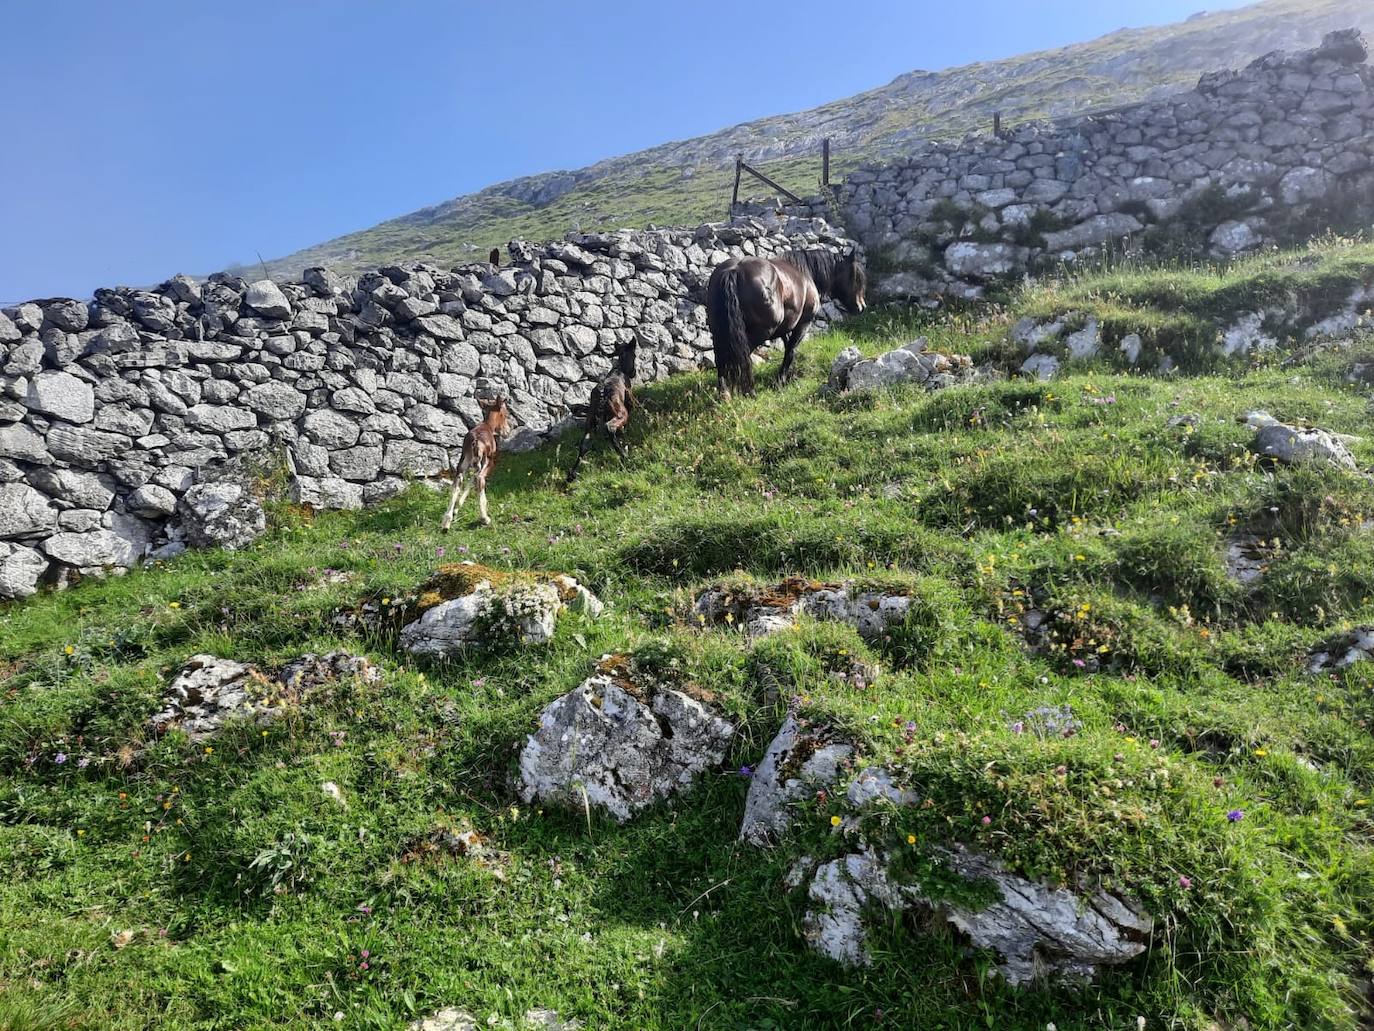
(250, 895)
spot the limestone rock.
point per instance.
(221, 514)
(266, 298)
(1342, 651)
(527, 613)
(62, 395)
(759, 612)
(207, 692)
(20, 570)
(151, 501)
(622, 754)
(1035, 929)
(799, 761)
(24, 512)
(1291, 445)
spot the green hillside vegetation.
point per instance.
(689, 181)
(153, 881)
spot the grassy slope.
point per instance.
(636, 189)
(980, 496)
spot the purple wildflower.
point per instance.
(84, 761)
(1185, 882)
(480, 682)
(60, 758)
(746, 771)
(439, 552)
(1079, 663)
(1236, 815)
(1018, 727)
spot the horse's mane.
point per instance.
(818, 263)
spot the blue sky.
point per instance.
(144, 138)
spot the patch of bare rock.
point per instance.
(1342, 651)
(209, 691)
(910, 363)
(1035, 929)
(455, 1019)
(467, 605)
(872, 611)
(620, 742)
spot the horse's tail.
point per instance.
(729, 337)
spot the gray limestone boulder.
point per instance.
(61, 395)
(24, 512)
(604, 746)
(21, 569)
(798, 761)
(1293, 445)
(1035, 929)
(221, 514)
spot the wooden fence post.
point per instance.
(997, 123)
(825, 162)
(734, 197)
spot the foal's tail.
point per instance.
(729, 338)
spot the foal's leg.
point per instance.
(454, 501)
(482, 494)
(619, 446)
(581, 454)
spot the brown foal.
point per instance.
(478, 458)
(609, 406)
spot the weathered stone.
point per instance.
(600, 745)
(24, 513)
(1292, 445)
(151, 501)
(92, 550)
(1036, 930)
(330, 429)
(62, 395)
(266, 298)
(20, 570)
(278, 401)
(799, 761)
(220, 514)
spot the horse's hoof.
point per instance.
(486, 520)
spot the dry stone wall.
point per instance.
(126, 422)
(1244, 159)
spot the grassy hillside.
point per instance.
(689, 181)
(157, 882)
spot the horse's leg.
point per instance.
(790, 349)
(482, 493)
(453, 501)
(581, 454)
(619, 446)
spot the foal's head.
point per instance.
(849, 283)
(625, 358)
(494, 413)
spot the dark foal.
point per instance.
(609, 406)
(479, 455)
(754, 300)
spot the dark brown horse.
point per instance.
(754, 300)
(609, 406)
(478, 457)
